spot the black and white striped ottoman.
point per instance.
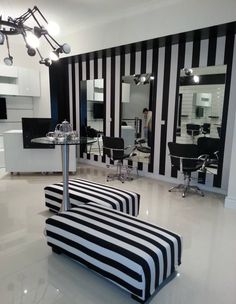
(136, 255)
(83, 191)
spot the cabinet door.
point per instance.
(28, 82)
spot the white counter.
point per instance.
(18, 159)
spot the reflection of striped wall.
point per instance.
(163, 57)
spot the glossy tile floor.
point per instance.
(30, 273)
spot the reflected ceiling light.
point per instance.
(31, 35)
(196, 78)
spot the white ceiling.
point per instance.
(72, 15)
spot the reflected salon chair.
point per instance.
(193, 130)
(209, 146)
(113, 148)
(206, 128)
(185, 158)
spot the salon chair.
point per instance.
(185, 158)
(113, 148)
(193, 130)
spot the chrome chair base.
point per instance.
(185, 188)
(120, 175)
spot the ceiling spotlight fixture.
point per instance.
(143, 78)
(32, 34)
(8, 60)
(188, 72)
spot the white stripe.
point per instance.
(83, 70)
(188, 55)
(137, 62)
(160, 79)
(99, 68)
(149, 61)
(70, 93)
(91, 69)
(171, 108)
(203, 52)
(108, 96)
(220, 50)
(127, 64)
(77, 101)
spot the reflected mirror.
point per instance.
(200, 109)
(136, 124)
(92, 113)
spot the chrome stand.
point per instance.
(65, 170)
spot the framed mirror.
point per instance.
(200, 109)
(136, 115)
(92, 113)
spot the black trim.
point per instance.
(196, 49)
(73, 93)
(203, 80)
(113, 80)
(211, 58)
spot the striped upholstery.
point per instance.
(83, 191)
(132, 253)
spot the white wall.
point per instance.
(171, 16)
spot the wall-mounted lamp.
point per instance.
(31, 35)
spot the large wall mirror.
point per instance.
(200, 109)
(136, 125)
(92, 113)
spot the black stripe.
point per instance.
(87, 67)
(95, 75)
(180, 65)
(211, 58)
(132, 60)
(228, 60)
(73, 93)
(143, 57)
(113, 80)
(165, 104)
(104, 76)
(196, 50)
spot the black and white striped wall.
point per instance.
(163, 57)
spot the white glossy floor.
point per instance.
(30, 273)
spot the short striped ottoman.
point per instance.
(138, 256)
(83, 191)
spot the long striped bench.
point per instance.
(83, 191)
(138, 256)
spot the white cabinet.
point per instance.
(18, 81)
(18, 159)
(28, 82)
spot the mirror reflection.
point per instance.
(92, 113)
(200, 108)
(136, 117)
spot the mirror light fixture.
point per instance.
(143, 78)
(32, 34)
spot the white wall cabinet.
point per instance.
(19, 81)
(28, 82)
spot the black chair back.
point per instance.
(193, 129)
(206, 128)
(185, 151)
(208, 145)
(113, 147)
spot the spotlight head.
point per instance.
(31, 51)
(188, 72)
(2, 38)
(46, 61)
(66, 48)
(8, 60)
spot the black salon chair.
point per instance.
(113, 147)
(185, 158)
(209, 146)
(193, 130)
(206, 128)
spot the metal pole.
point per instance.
(65, 170)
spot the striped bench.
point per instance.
(138, 256)
(83, 191)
